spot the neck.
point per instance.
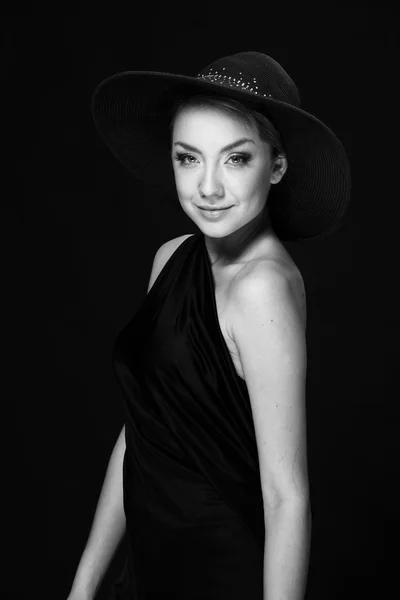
(241, 245)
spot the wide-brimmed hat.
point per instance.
(132, 112)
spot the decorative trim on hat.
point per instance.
(217, 77)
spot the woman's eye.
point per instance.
(181, 158)
(244, 158)
(188, 159)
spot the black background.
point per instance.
(81, 236)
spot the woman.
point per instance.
(208, 477)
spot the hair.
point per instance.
(252, 117)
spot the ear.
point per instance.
(279, 169)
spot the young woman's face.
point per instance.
(210, 175)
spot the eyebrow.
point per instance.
(224, 149)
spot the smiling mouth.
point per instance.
(215, 209)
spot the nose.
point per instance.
(209, 184)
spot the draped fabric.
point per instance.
(192, 491)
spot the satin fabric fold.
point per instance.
(192, 490)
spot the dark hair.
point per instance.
(265, 128)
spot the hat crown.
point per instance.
(255, 73)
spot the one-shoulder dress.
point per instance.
(191, 479)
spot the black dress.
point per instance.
(192, 491)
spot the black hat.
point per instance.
(132, 113)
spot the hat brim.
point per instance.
(130, 110)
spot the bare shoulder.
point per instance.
(271, 275)
(172, 245)
(165, 251)
(163, 254)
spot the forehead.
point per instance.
(203, 119)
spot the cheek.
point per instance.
(260, 180)
(249, 184)
(184, 185)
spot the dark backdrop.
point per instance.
(81, 236)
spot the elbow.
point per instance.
(289, 509)
(300, 506)
(294, 500)
(299, 498)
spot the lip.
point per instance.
(214, 214)
(214, 207)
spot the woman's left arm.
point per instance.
(269, 332)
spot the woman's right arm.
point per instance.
(109, 521)
(107, 529)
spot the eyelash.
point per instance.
(245, 157)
